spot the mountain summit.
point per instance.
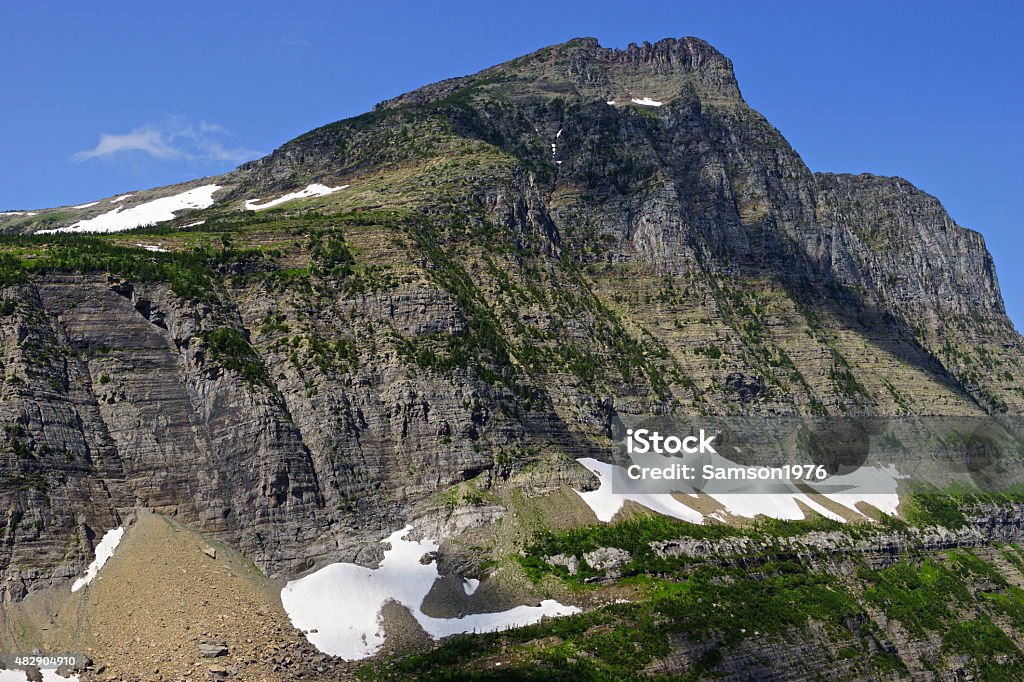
(581, 69)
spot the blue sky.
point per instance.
(100, 98)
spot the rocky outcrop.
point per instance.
(830, 548)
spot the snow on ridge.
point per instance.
(864, 486)
(314, 190)
(104, 550)
(781, 506)
(148, 213)
(606, 504)
(89, 205)
(647, 102)
(120, 198)
(338, 607)
(861, 486)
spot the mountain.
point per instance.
(425, 314)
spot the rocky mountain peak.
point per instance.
(689, 55)
(582, 69)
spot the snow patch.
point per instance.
(120, 198)
(195, 224)
(554, 147)
(149, 213)
(872, 485)
(492, 622)
(338, 607)
(89, 205)
(314, 190)
(646, 101)
(773, 505)
(152, 247)
(611, 101)
(606, 504)
(470, 585)
(104, 551)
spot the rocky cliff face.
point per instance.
(116, 398)
(520, 255)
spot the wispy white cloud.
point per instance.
(145, 139)
(174, 139)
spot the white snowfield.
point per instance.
(875, 486)
(647, 102)
(17, 212)
(148, 213)
(338, 607)
(314, 190)
(104, 550)
(492, 622)
(606, 504)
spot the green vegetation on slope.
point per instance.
(698, 618)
